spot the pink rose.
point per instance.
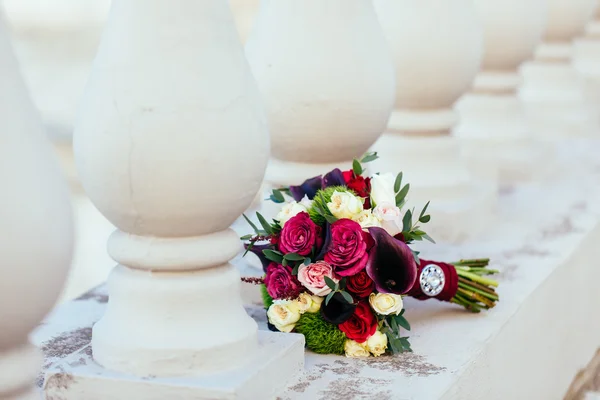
(347, 250)
(280, 282)
(299, 235)
(313, 277)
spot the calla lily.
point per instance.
(334, 178)
(258, 250)
(391, 263)
(309, 188)
(338, 310)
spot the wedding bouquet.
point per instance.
(338, 261)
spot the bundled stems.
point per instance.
(475, 290)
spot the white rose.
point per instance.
(290, 210)
(391, 217)
(354, 349)
(366, 219)
(305, 302)
(377, 343)
(344, 205)
(284, 314)
(316, 304)
(306, 202)
(386, 303)
(382, 189)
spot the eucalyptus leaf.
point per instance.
(402, 322)
(250, 246)
(393, 324)
(295, 270)
(266, 226)
(307, 261)
(427, 237)
(293, 257)
(330, 283)
(278, 196)
(273, 255)
(284, 262)
(402, 194)
(251, 224)
(356, 167)
(347, 297)
(424, 210)
(407, 221)
(425, 219)
(330, 218)
(398, 183)
(405, 344)
(372, 156)
(247, 237)
(343, 283)
(328, 298)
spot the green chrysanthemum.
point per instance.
(321, 336)
(320, 201)
(266, 297)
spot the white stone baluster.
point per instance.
(326, 75)
(554, 95)
(437, 47)
(586, 57)
(244, 13)
(171, 144)
(36, 229)
(493, 125)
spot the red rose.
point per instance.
(299, 235)
(361, 186)
(280, 282)
(347, 251)
(361, 325)
(360, 284)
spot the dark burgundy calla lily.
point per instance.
(326, 232)
(334, 178)
(391, 263)
(258, 250)
(308, 188)
(338, 310)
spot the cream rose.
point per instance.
(355, 350)
(377, 343)
(284, 314)
(344, 205)
(391, 217)
(382, 189)
(366, 219)
(305, 302)
(290, 210)
(316, 304)
(386, 303)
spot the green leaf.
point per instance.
(398, 183)
(405, 344)
(284, 262)
(247, 237)
(347, 297)
(402, 322)
(424, 210)
(368, 157)
(427, 237)
(273, 255)
(425, 219)
(356, 167)
(330, 283)
(329, 296)
(402, 312)
(393, 324)
(416, 256)
(293, 257)
(330, 218)
(295, 270)
(392, 343)
(277, 196)
(250, 246)
(266, 226)
(407, 221)
(307, 261)
(251, 224)
(402, 194)
(343, 283)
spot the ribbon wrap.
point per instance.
(450, 285)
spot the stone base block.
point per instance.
(280, 359)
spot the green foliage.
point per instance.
(266, 297)
(321, 336)
(319, 212)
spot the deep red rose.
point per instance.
(299, 235)
(361, 325)
(361, 186)
(360, 284)
(280, 282)
(347, 250)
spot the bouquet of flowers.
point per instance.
(338, 261)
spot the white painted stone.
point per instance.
(56, 14)
(556, 100)
(493, 125)
(171, 144)
(432, 72)
(326, 75)
(586, 58)
(36, 227)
